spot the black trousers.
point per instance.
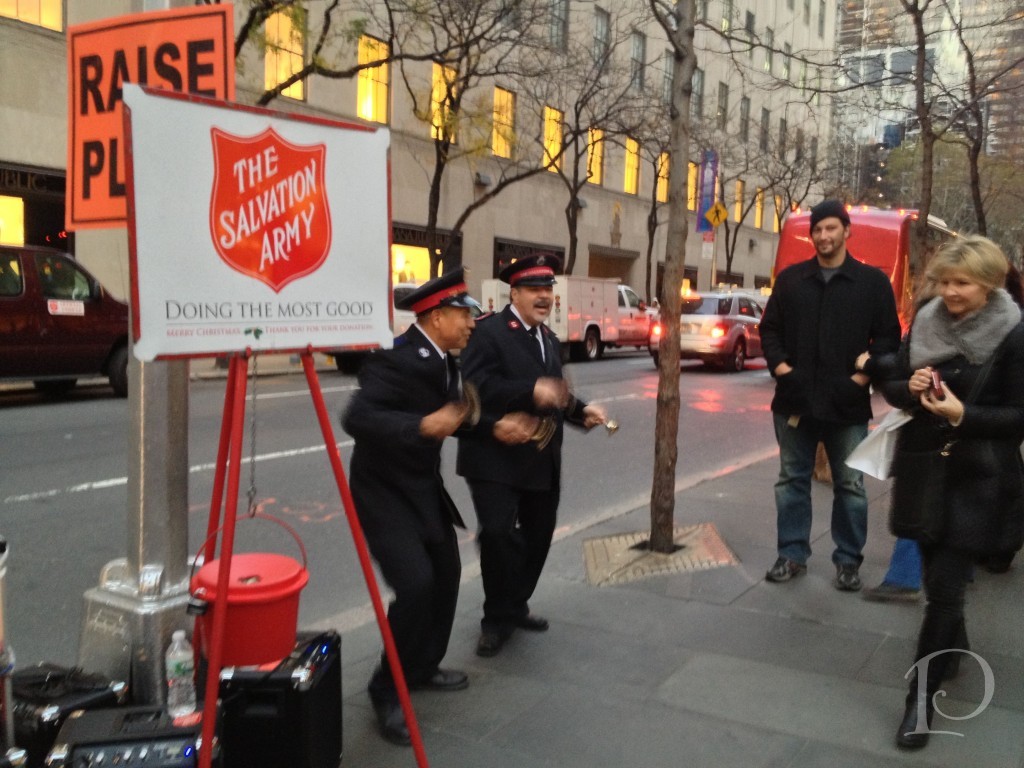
(514, 536)
(424, 576)
(946, 574)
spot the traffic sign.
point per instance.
(717, 214)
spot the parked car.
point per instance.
(57, 323)
(722, 328)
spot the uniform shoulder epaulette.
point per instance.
(486, 316)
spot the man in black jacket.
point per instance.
(409, 400)
(822, 314)
(515, 361)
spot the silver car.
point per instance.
(722, 328)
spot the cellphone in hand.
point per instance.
(936, 390)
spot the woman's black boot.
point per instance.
(911, 734)
(953, 659)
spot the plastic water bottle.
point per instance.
(181, 689)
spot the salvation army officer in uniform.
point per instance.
(514, 360)
(409, 401)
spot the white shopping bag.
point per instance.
(873, 456)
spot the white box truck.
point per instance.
(588, 315)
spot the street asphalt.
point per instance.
(714, 668)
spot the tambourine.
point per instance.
(471, 401)
(545, 431)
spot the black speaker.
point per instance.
(288, 714)
(44, 696)
(129, 737)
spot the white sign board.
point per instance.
(254, 229)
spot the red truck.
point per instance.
(57, 323)
(881, 237)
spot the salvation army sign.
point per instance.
(269, 214)
(254, 229)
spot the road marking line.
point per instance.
(114, 482)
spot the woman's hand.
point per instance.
(920, 381)
(949, 406)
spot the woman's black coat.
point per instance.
(985, 481)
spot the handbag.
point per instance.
(917, 506)
(874, 454)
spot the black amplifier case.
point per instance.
(285, 715)
(45, 694)
(129, 737)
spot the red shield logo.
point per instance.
(269, 215)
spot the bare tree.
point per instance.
(677, 19)
(599, 98)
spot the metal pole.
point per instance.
(141, 599)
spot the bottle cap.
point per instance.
(178, 634)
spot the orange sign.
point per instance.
(268, 211)
(189, 50)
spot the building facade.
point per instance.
(759, 119)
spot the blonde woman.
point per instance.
(971, 321)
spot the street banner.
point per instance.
(183, 49)
(706, 189)
(254, 229)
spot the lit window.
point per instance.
(595, 156)
(691, 186)
(553, 136)
(42, 13)
(759, 209)
(727, 12)
(663, 166)
(503, 129)
(779, 212)
(372, 95)
(285, 34)
(442, 125)
(631, 184)
(737, 214)
(12, 219)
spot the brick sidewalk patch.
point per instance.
(623, 558)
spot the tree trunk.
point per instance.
(666, 429)
(572, 217)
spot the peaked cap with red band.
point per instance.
(538, 269)
(448, 290)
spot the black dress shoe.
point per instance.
(443, 680)
(532, 623)
(391, 721)
(490, 642)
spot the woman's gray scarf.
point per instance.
(938, 336)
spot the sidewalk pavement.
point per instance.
(712, 668)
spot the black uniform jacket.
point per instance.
(820, 328)
(395, 471)
(504, 363)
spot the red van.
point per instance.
(57, 323)
(881, 237)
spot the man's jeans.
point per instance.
(797, 446)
